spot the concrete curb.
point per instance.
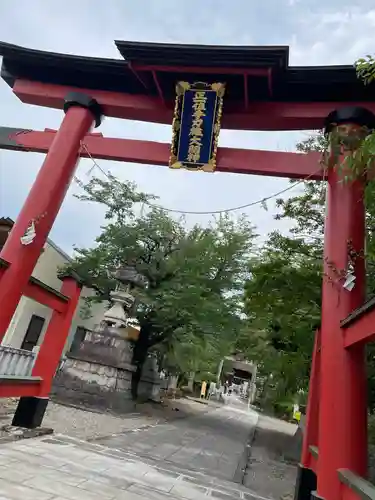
(208, 402)
(243, 465)
(127, 431)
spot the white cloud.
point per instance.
(333, 35)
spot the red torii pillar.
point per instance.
(338, 379)
(41, 208)
(343, 389)
(44, 201)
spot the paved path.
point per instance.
(200, 461)
(214, 443)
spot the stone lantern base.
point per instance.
(98, 373)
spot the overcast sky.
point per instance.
(318, 32)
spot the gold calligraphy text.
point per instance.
(196, 130)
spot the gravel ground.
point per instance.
(84, 424)
(90, 425)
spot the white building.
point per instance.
(30, 321)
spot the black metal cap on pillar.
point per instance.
(84, 101)
(305, 484)
(65, 274)
(350, 114)
(30, 412)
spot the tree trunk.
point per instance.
(139, 357)
(191, 381)
(149, 336)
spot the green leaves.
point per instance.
(283, 296)
(282, 300)
(365, 68)
(191, 310)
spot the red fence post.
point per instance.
(30, 410)
(44, 201)
(343, 402)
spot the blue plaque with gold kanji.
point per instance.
(196, 125)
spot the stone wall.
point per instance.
(98, 373)
(93, 384)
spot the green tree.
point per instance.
(283, 295)
(197, 356)
(282, 300)
(195, 276)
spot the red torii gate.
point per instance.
(264, 93)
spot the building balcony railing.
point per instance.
(16, 362)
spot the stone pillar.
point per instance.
(150, 382)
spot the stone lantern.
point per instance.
(99, 372)
(111, 341)
(119, 320)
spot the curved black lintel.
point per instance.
(220, 56)
(11, 51)
(65, 69)
(289, 84)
